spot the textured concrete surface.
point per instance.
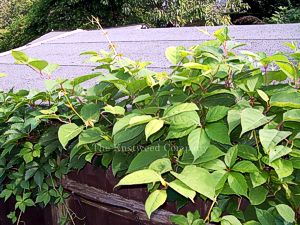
(133, 42)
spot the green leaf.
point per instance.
(116, 110)
(198, 142)
(153, 126)
(67, 132)
(198, 179)
(247, 152)
(30, 173)
(154, 201)
(140, 177)
(258, 195)
(146, 157)
(283, 168)
(292, 115)
(141, 98)
(289, 100)
(231, 156)
(252, 119)
(84, 78)
(258, 178)
(287, 68)
(38, 64)
(173, 54)
(216, 113)
(233, 119)
(230, 220)
(218, 132)
(245, 167)
(263, 95)
(265, 217)
(90, 112)
(183, 189)
(90, 135)
(136, 120)
(50, 69)
(269, 138)
(222, 34)
(180, 108)
(161, 165)
(179, 220)
(286, 212)
(20, 57)
(237, 183)
(278, 152)
(198, 66)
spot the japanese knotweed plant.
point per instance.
(221, 125)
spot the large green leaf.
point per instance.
(247, 152)
(218, 132)
(230, 220)
(161, 165)
(237, 183)
(182, 189)
(216, 113)
(231, 156)
(258, 195)
(154, 201)
(90, 135)
(198, 142)
(283, 168)
(252, 119)
(140, 177)
(146, 157)
(153, 126)
(278, 152)
(269, 138)
(245, 167)
(90, 112)
(233, 119)
(67, 132)
(286, 212)
(265, 217)
(289, 100)
(116, 110)
(198, 179)
(180, 108)
(292, 115)
(136, 120)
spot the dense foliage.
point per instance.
(221, 127)
(285, 15)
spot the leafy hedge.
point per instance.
(220, 126)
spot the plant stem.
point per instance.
(19, 218)
(210, 209)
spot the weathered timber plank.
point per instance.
(103, 198)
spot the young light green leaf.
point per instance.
(286, 212)
(116, 110)
(198, 142)
(140, 177)
(153, 126)
(173, 54)
(136, 120)
(192, 65)
(154, 201)
(263, 95)
(20, 57)
(67, 132)
(283, 168)
(252, 119)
